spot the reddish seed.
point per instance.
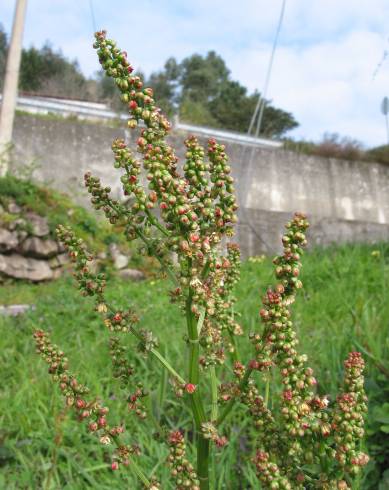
(80, 403)
(190, 388)
(253, 364)
(117, 318)
(287, 395)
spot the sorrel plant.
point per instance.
(185, 220)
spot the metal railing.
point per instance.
(100, 111)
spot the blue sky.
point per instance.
(323, 71)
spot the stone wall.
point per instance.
(345, 201)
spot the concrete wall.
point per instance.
(345, 201)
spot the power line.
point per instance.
(262, 99)
(92, 15)
(259, 111)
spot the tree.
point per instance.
(164, 84)
(202, 92)
(201, 78)
(276, 122)
(47, 71)
(232, 108)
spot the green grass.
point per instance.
(343, 306)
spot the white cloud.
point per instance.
(328, 86)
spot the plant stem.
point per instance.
(167, 365)
(121, 210)
(133, 466)
(161, 359)
(214, 405)
(267, 391)
(234, 354)
(157, 224)
(167, 269)
(230, 404)
(203, 462)
(194, 374)
(139, 473)
(196, 403)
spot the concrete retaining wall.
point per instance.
(345, 201)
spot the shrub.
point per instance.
(307, 440)
(379, 154)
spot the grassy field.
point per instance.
(343, 306)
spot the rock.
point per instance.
(38, 224)
(59, 261)
(8, 240)
(61, 247)
(13, 208)
(57, 273)
(20, 267)
(18, 224)
(22, 235)
(13, 310)
(120, 261)
(132, 274)
(38, 248)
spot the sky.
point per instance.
(330, 70)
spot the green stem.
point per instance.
(214, 404)
(167, 269)
(267, 390)
(234, 354)
(203, 462)
(194, 373)
(157, 224)
(195, 399)
(205, 272)
(122, 210)
(160, 358)
(230, 404)
(134, 467)
(139, 473)
(168, 366)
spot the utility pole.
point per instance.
(10, 89)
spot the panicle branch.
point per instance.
(90, 411)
